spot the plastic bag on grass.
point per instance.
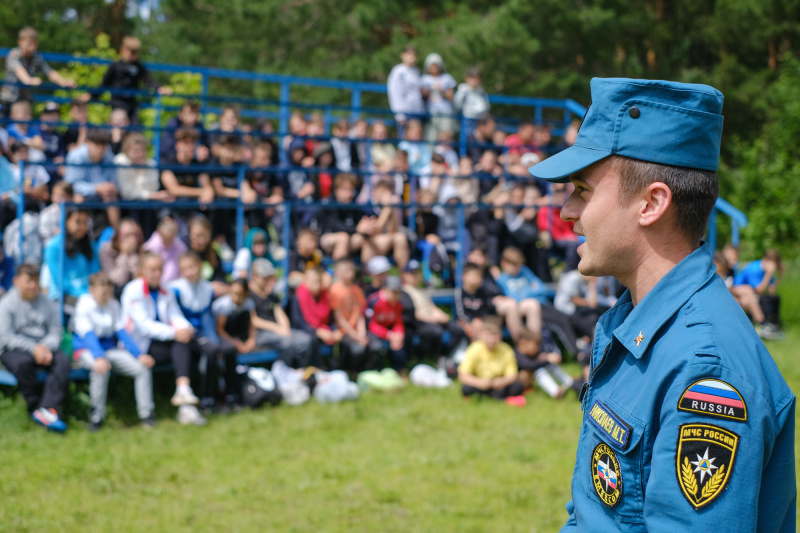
(428, 377)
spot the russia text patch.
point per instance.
(704, 461)
(609, 424)
(713, 397)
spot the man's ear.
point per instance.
(656, 199)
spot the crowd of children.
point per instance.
(142, 287)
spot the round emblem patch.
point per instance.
(606, 475)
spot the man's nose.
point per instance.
(570, 211)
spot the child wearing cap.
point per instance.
(378, 270)
(273, 329)
(489, 367)
(385, 322)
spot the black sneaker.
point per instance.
(94, 427)
(149, 422)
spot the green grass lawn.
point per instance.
(419, 460)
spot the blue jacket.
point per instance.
(688, 425)
(524, 285)
(76, 269)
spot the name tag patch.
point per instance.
(609, 424)
(713, 397)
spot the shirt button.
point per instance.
(634, 112)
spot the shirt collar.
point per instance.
(639, 328)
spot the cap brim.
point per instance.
(561, 166)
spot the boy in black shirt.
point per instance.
(273, 330)
(341, 235)
(306, 255)
(186, 183)
(473, 303)
(128, 73)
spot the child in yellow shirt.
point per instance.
(489, 367)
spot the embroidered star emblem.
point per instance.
(639, 339)
(704, 465)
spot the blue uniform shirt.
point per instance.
(688, 425)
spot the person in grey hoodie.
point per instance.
(403, 88)
(30, 335)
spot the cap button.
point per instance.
(634, 112)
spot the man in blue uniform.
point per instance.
(688, 425)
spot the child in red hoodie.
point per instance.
(385, 322)
(311, 311)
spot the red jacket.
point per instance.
(383, 317)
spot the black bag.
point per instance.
(259, 387)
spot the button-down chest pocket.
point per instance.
(616, 459)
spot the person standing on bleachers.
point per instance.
(403, 87)
(30, 336)
(128, 73)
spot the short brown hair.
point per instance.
(99, 136)
(28, 33)
(345, 178)
(190, 255)
(528, 335)
(100, 279)
(131, 43)
(493, 323)
(385, 183)
(65, 187)
(191, 104)
(513, 255)
(186, 135)
(132, 139)
(28, 269)
(694, 191)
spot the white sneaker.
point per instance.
(188, 415)
(184, 397)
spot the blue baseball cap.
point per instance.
(666, 122)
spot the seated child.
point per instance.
(384, 233)
(531, 295)
(273, 329)
(503, 306)
(429, 322)
(534, 363)
(195, 296)
(164, 242)
(256, 244)
(50, 216)
(305, 255)
(98, 331)
(348, 303)
(30, 336)
(342, 226)
(385, 322)
(154, 320)
(311, 311)
(489, 367)
(472, 303)
(236, 330)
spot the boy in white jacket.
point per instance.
(99, 331)
(155, 323)
(195, 296)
